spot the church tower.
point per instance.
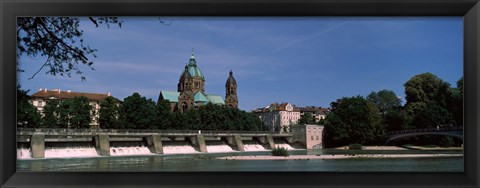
(231, 99)
(191, 81)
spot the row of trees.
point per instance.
(430, 102)
(70, 113)
(135, 112)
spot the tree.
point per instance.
(138, 113)
(307, 118)
(109, 113)
(396, 119)
(27, 114)
(426, 88)
(50, 114)
(164, 120)
(353, 120)
(429, 101)
(59, 40)
(460, 85)
(75, 113)
(384, 100)
(456, 103)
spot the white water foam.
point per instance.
(253, 147)
(69, 152)
(132, 150)
(219, 148)
(24, 153)
(174, 149)
(286, 146)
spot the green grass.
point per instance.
(280, 152)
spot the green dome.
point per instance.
(193, 69)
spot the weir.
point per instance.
(39, 143)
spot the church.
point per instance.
(191, 93)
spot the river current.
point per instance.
(206, 162)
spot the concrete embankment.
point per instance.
(316, 157)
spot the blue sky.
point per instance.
(302, 60)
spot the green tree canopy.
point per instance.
(138, 112)
(75, 113)
(27, 114)
(50, 114)
(353, 120)
(307, 118)
(430, 101)
(427, 88)
(109, 113)
(384, 100)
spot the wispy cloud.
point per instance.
(302, 39)
(139, 67)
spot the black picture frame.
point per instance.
(469, 9)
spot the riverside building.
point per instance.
(278, 117)
(40, 98)
(191, 93)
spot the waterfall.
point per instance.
(284, 145)
(129, 150)
(218, 147)
(68, 152)
(178, 147)
(24, 153)
(252, 146)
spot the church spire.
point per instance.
(231, 99)
(192, 60)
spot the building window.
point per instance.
(311, 137)
(40, 103)
(317, 137)
(308, 129)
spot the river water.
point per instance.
(206, 162)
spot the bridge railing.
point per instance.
(432, 129)
(56, 131)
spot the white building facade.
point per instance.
(278, 117)
(311, 136)
(40, 98)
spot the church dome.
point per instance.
(185, 75)
(193, 69)
(231, 79)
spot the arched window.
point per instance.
(184, 106)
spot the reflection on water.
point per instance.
(206, 162)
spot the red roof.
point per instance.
(68, 95)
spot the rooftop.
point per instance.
(59, 94)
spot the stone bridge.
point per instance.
(446, 130)
(153, 139)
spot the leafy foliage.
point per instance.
(75, 113)
(396, 119)
(353, 120)
(306, 119)
(27, 114)
(50, 117)
(384, 100)
(431, 102)
(138, 112)
(109, 113)
(426, 87)
(59, 40)
(216, 117)
(280, 151)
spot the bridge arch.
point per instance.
(456, 134)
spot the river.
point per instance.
(199, 162)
